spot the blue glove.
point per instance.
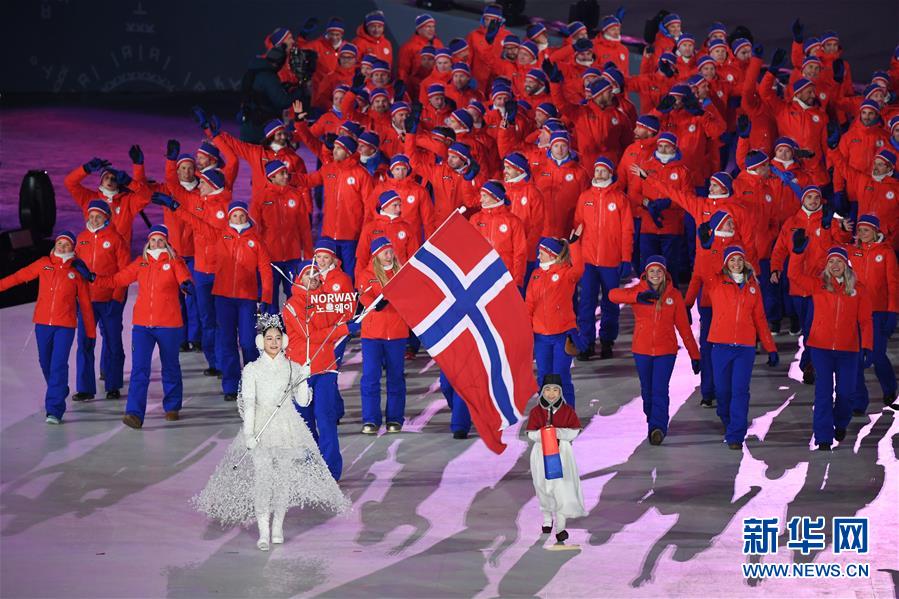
(833, 135)
(889, 324)
(773, 359)
(839, 70)
(619, 14)
(122, 178)
(696, 365)
(840, 203)
(704, 232)
(200, 117)
(410, 124)
(473, 171)
(353, 327)
(511, 107)
(187, 288)
(95, 165)
(692, 105)
(744, 126)
(800, 241)
(161, 199)
(656, 207)
(666, 69)
(827, 213)
(308, 27)
(492, 31)
(329, 140)
(647, 297)
(172, 149)
(381, 305)
(358, 81)
(82, 269)
(798, 29)
(867, 358)
(777, 60)
(666, 105)
(624, 269)
(399, 90)
(552, 71)
(136, 154)
(214, 126)
(758, 50)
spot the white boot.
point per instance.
(263, 542)
(278, 528)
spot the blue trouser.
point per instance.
(288, 267)
(346, 251)
(203, 282)
(53, 347)
(190, 314)
(143, 340)
(321, 417)
(594, 280)
(109, 320)
(413, 343)
(339, 350)
(662, 245)
(378, 355)
(655, 375)
(860, 398)
(447, 390)
(706, 372)
(460, 419)
(883, 368)
(549, 353)
(801, 305)
(236, 323)
(689, 242)
(733, 370)
(830, 414)
(636, 258)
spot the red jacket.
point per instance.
(697, 137)
(738, 316)
(708, 263)
(346, 187)
(837, 316)
(401, 235)
(876, 268)
(418, 209)
(257, 156)
(385, 324)
(506, 234)
(105, 253)
(608, 235)
(379, 47)
(821, 239)
(549, 294)
(654, 324)
(282, 216)
(409, 55)
(181, 236)
(758, 196)
(661, 179)
(601, 131)
(858, 146)
(324, 329)
(124, 205)
(527, 203)
(59, 287)
(880, 198)
(450, 188)
(238, 259)
(563, 184)
(157, 288)
(213, 206)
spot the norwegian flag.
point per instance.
(459, 298)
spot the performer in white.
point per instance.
(286, 468)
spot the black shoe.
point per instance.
(889, 399)
(460, 435)
(547, 529)
(858, 412)
(82, 396)
(102, 377)
(656, 436)
(839, 434)
(795, 329)
(707, 402)
(185, 347)
(197, 346)
(587, 353)
(808, 375)
(774, 326)
(605, 350)
(823, 446)
(230, 396)
(114, 394)
(561, 537)
(735, 446)
(212, 372)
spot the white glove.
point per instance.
(566, 434)
(251, 441)
(534, 436)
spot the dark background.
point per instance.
(82, 47)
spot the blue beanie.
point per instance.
(325, 244)
(535, 30)
(732, 250)
(99, 205)
(603, 161)
(335, 24)
(213, 177)
(348, 143)
(66, 235)
(380, 244)
(371, 138)
(551, 245)
(496, 189)
(238, 205)
(158, 230)
(648, 121)
(518, 161)
(375, 17)
(423, 19)
(463, 118)
(755, 158)
(549, 109)
(870, 220)
(655, 260)
(400, 159)
(387, 197)
(719, 217)
(461, 150)
(724, 179)
(272, 127)
(274, 166)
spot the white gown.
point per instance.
(286, 468)
(560, 496)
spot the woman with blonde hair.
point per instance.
(384, 336)
(842, 310)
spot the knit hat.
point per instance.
(530, 47)
(238, 205)
(870, 105)
(615, 78)
(837, 252)
(559, 135)
(599, 86)
(881, 78)
(210, 150)
(717, 219)
(810, 44)
(423, 19)
(461, 67)
(684, 38)
(428, 51)
(443, 133)
(716, 27)
(495, 189)
(583, 45)
(656, 260)
(786, 141)
(550, 245)
(608, 22)
(695, 80)
(549, 109)
(348, 48)
(370, 138)
(755, 158)
(732, 250)
(342, 87)
(379, 244)
(670, 19)
(738, 43)
(184, 158)
(462, 117)
(278, 36)
(436, 89)
(870, 90)
(274, 166)
(706, 59)
(724, 179)
(398, 106)
(648, 121)
(387, 197)
(811, 60)
(458, 45)
(591, 72)
(667, 137)
(378, 91)
(511, 40)
(65, 235)
(273, 127)
(716, 42)
(807, 190)
(887, 156)
(376, 16)
(161, 230)
(518, 161)
(539, 76)
(400, 159)
(801, 84)
(443, 52)
(461, 150)
(493, 10)
(499, 89)
(680, 90)
(894, 122)
(829, 36)
(214, 177)
(869, 220)
(349, 144)
(536, 30)
(380, 66)
(100, 206)
(306, 266)
(326, 245)
(335, 24)
(574, 27)
(603, 161)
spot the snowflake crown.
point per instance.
(265, 322)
